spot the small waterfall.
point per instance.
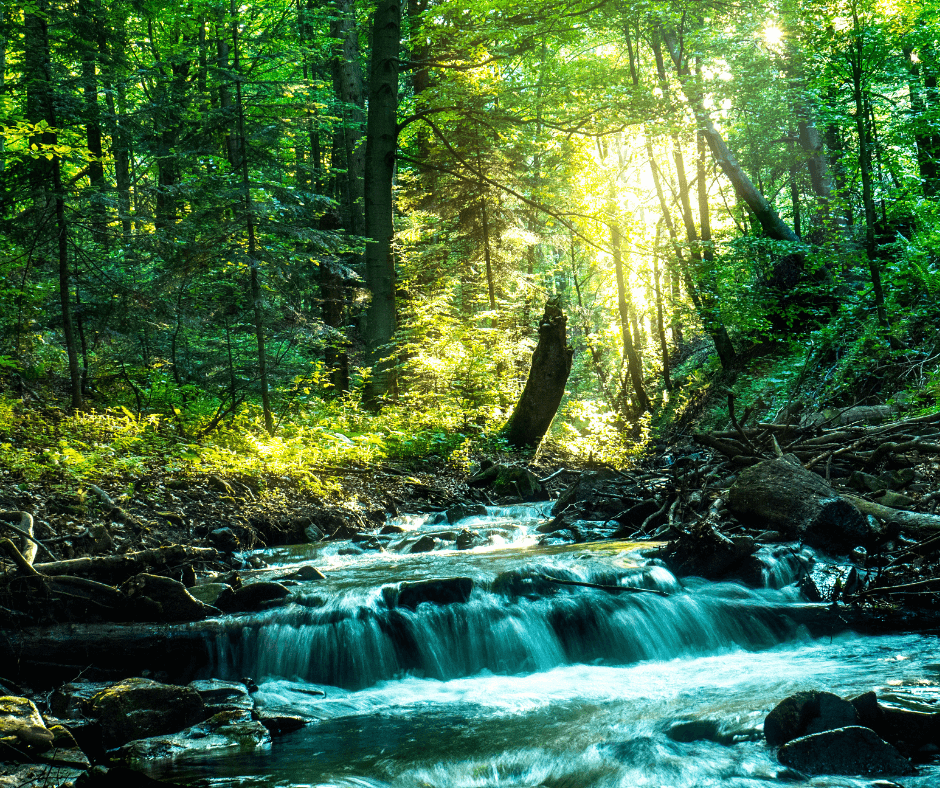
(533, 624)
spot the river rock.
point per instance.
(210, 593)
(139, 708)
(463, 510)
(704, 552)
(444, 591)
(852, 750)
(253, 597)
(910, 731)
(305, 572)
(23, 734)
(221, 695)
(227, 732)
(465, 540)
(781, 495)
(38, 775)
(805, 713)
(424, 545)
(156, 598)
(509, 480)
(280, 724)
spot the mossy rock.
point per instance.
(141, 708)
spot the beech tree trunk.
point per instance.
(551, 365)
(381, 146)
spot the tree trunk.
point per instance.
(629, 350)
(48, 177)
(253, 262)
(864, 166)
(551, 365)
(381, 147)
(347, 84)
(660, 326)
(788, 268)
(89, 24)
(925, 142)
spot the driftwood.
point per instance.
(118, 568)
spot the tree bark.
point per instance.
(347, 84)
(925, 142)
(551, 365)
(381, 147)
(788, 267)
(48, 177)
(660, 325)
(856, 57)
(253, 262)
(629, 349)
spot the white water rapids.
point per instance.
(553, 686)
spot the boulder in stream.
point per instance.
(227, 732)
(704, 552)
(138, 708)
(253, 597)
(463, 510)
(807, 712)
(508, 480)
(781, 495)
(156, 598)
(912, 732)
(444, 591)
(852, 750)
(23, 734)
(221, 695)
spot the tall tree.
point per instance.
(381, 148)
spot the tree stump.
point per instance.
(551, 365)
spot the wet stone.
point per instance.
(228, 732)
(807, 712)
(221, 695)
(255, 596)
(852, 750)
(138, 708)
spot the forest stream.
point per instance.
(544, 676)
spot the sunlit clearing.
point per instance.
(773, 35)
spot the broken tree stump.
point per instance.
(551, 365)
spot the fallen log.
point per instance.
(923, 525)
(44, 656)
(117, 568)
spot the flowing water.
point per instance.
(538, 679)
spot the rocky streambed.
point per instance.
(640, 629)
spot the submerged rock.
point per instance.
(138, 708)
(852, 750)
